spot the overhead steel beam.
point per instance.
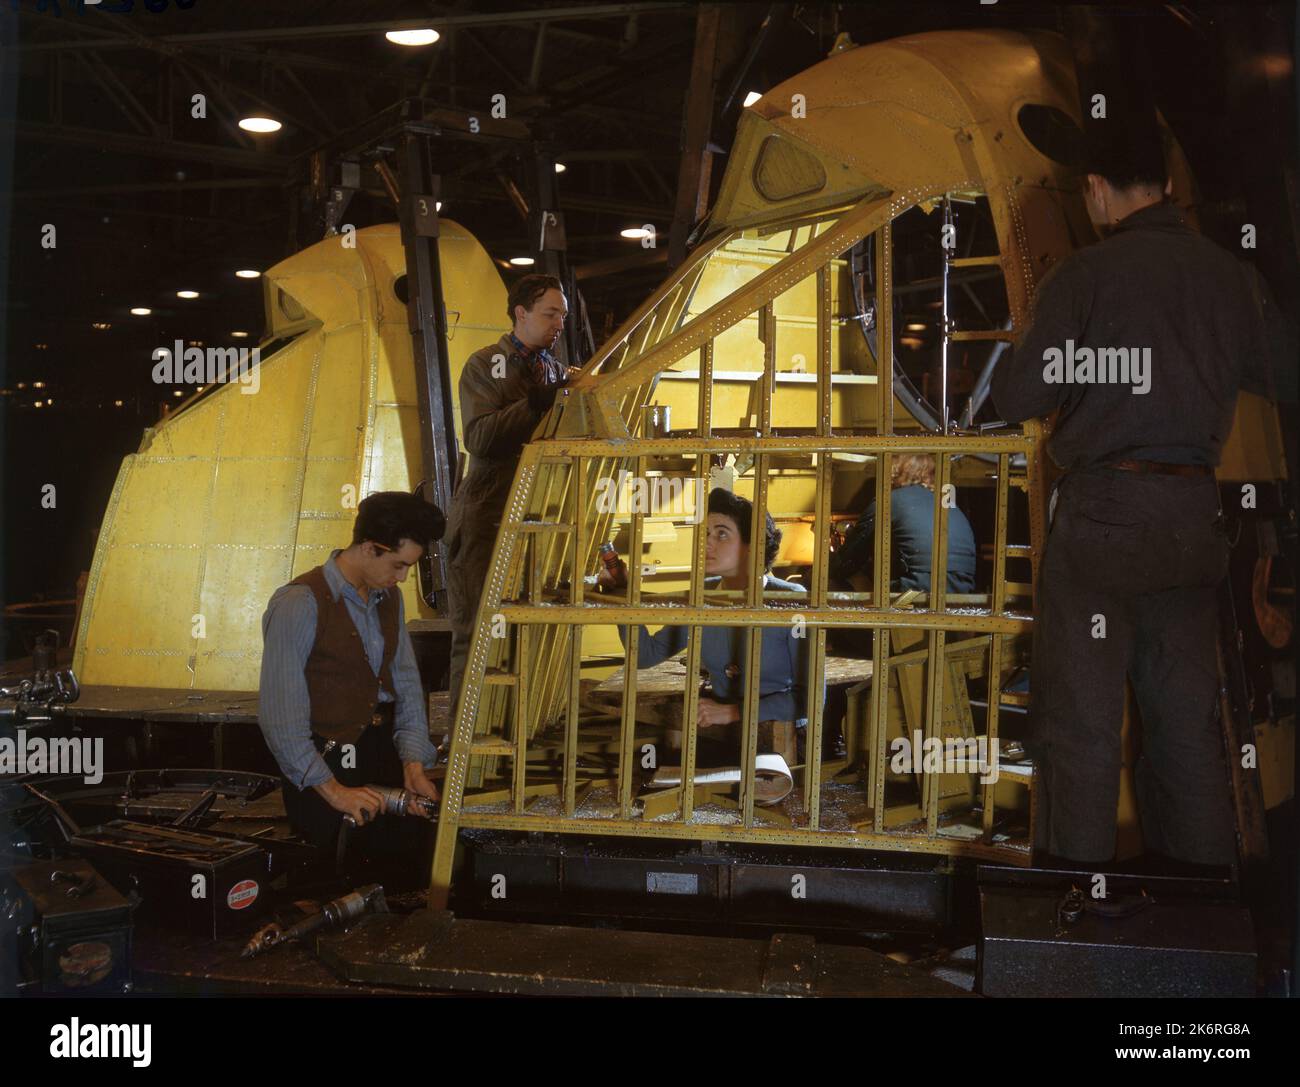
(326, 121)
(539, 51)
(282, 59)
(349, 30)
(126, 102)
(427, 321)
(230, 88)
(432, 117)
(643, 121)
(505, 70)
(696, 168)
(153, 186)
(264, 161)
(574, 201)
(644, 258)
(649, 61)
(756, 46)
(608, 154)
(253, 226)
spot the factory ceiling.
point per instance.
(149, 200)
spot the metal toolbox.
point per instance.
(205, 883)
(77, 935)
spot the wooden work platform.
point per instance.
(171, 962)
(180, 706)
(213, 710)
(165, 704)
(659, 689)
(431, 950)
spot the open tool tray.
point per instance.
(165, 795)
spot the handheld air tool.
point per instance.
(396, 801)
(331, 915)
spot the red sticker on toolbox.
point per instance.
(242, 894)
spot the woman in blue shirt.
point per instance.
(911, 534)
(783, 672)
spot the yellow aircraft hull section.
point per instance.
(238, 492)
(753, 343)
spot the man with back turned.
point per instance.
(1141, 342)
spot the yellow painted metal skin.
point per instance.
(751, 344)
(235, 494)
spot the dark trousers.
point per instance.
(467, 571)
(376, 763)
(1135, 558)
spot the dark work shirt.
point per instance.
(911, 544)
(1182, 310)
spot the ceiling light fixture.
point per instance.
(425, 36)
(260, 124)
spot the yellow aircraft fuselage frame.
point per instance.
(832, 157)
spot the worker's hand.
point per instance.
(581, 384)
(716, 713)
(416, 780)
(541, 398)
(362, 804)
(606, 580)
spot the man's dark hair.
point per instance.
(388, 517)
(741, 510)
(528, 290)
(1127, 158)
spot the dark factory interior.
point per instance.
(535, 351)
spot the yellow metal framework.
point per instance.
(529, 753)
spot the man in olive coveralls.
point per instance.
(505, 390)
(1136, 547)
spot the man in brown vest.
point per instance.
(340, 702)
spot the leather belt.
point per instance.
(1145, 467)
